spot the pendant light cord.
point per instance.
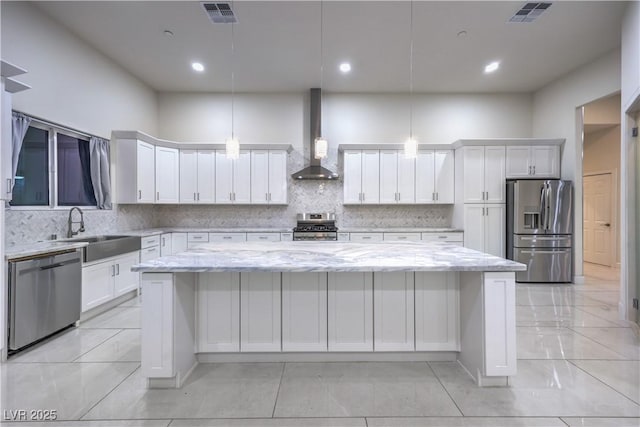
(411, 73)
(233, 75)
(321, 58)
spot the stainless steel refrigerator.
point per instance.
(540, 229)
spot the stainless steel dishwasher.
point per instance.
(44, 296)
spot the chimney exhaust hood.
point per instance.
(315, 169)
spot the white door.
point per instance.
(278, 177)
(146, 172)
(406, 179)
(188, 176)
(304, 312)
(473, 185)
(224, 178)
(494, 174)
(546, 161)
(125, 279)
(352, 177)
(494, 230)
(517, 163)
(474, 226)
(444, 176)
(370, 177)
(350, 311)
(389, 175)
(260, 176)
(218, 302)
(260, 312)
(167, 175)
(597, 219)
(206, 176)
(242, 178)
(437, 311)
(393, 311)
(425, 177)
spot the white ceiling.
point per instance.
(277, 44)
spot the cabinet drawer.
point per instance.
(343, 237)
(148, 254)
(286, 236)
(228, 237)
(149, 241)
(263, 237)
(197, 237)
(402, 237)
(366, 237)
(442, 237)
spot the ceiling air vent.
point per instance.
(220, 13)
(529, 12)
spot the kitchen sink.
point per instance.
(106, 246)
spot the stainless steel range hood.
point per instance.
(315, 169)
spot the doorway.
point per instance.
(601, 189)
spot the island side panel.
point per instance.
(168, 328)
(487, 328)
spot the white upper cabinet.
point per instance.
(6, 148)
(483, 172)
(135, 178)
(167, 175)
(435, 176)
(197, 175)
(268, 177)
(541, 161)
(397, 178)
(361, 177)
(233, 178)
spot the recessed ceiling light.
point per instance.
(345, 67)
(462, 34)
(197, 67)
(168, 33)
(492, 67)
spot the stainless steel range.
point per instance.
(316, 226)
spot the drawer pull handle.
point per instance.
(227, 237)
(442, 237)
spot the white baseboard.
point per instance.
(421, 356)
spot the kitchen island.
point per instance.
(328, 301)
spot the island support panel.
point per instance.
(384, 316)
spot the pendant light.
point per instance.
(232, 144)
(321, 145)
(411, 144)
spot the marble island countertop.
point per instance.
(329, 257)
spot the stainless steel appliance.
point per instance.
(540, 229)
(316, 226)
(44, 297)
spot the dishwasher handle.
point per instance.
(59, 264)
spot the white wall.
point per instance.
(346, 118)
(554, 116)
(72, 84)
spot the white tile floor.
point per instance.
(578, 366)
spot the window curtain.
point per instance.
(85, 168)
(19, 127)
(100, 177)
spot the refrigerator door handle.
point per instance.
(547, 214)
(543, 207)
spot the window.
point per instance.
(53, 168)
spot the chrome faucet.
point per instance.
(70, 222)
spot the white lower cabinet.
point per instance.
(227, 237)
(393, 319)
(147, 254)
(166, 244)
(196, 238)
(260, 297)
(437, 300)
(263, 237)
(104, 281)
(350, 311)
(178, 242)
(304, 312)
(366, 237)
(218, 311)
(400, 237)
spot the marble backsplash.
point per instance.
(30, 226)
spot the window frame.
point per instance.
(52, 145)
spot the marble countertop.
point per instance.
(329, 257)
(41, 248)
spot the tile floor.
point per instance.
(578, 366)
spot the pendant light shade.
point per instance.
(233, 148)
(321, 148)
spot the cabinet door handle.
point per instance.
(163, 242)
(266, 197)
(113, 270)
(437, 195)
(230, 198)
(534, 169)
(360, 197)
(269, 196)
(399, 196)
(198, 196)
(194, 197)
(139, 194)
(9, 189)
(117, 269)
(158, 195)
(363, 196)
